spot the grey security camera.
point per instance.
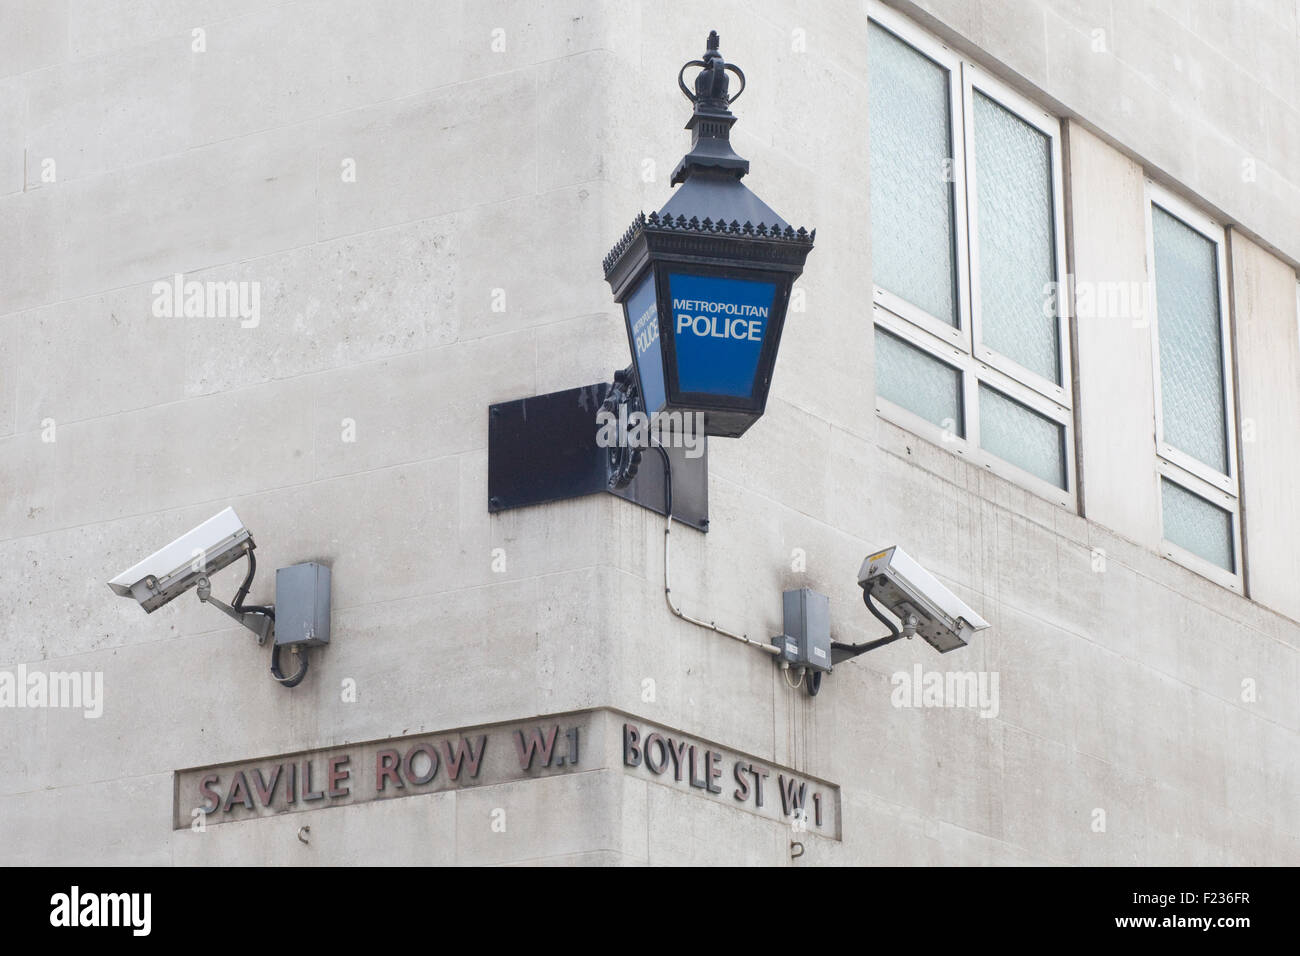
(302, 591)
(172, 570)
(921, 604)
(911, 593)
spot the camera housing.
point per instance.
(915, 597)
(172, 570)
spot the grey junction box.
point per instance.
(806, 637)
(302, 605)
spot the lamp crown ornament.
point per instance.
(712, 83)
(711, 119)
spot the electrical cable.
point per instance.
(894, 633)
(668, 530)
(785, 671)
(879, 615)
(668, 480)
(293, 681)
(239, 605)
(238, 602)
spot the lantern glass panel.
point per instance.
(643, 320)
(719, 325)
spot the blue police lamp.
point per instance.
(705, 282)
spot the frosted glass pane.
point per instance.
(1017, 254)
(911, 197)
(1023, 437)
(1191, 349)
(923, 385)
(1197, 526)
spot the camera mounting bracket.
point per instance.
(259, 624)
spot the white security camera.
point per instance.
(302, 591)
(918, 600)
(171, 571)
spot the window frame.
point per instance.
(944, 57)
(961, 347)
(1028, 112)
(1192, 475)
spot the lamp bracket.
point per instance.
(624, 458)
(548, 448)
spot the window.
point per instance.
(967, 257)
(1196, 452)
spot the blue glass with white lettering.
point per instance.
(718, 331)
(643, 317)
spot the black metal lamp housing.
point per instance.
(705, 282)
